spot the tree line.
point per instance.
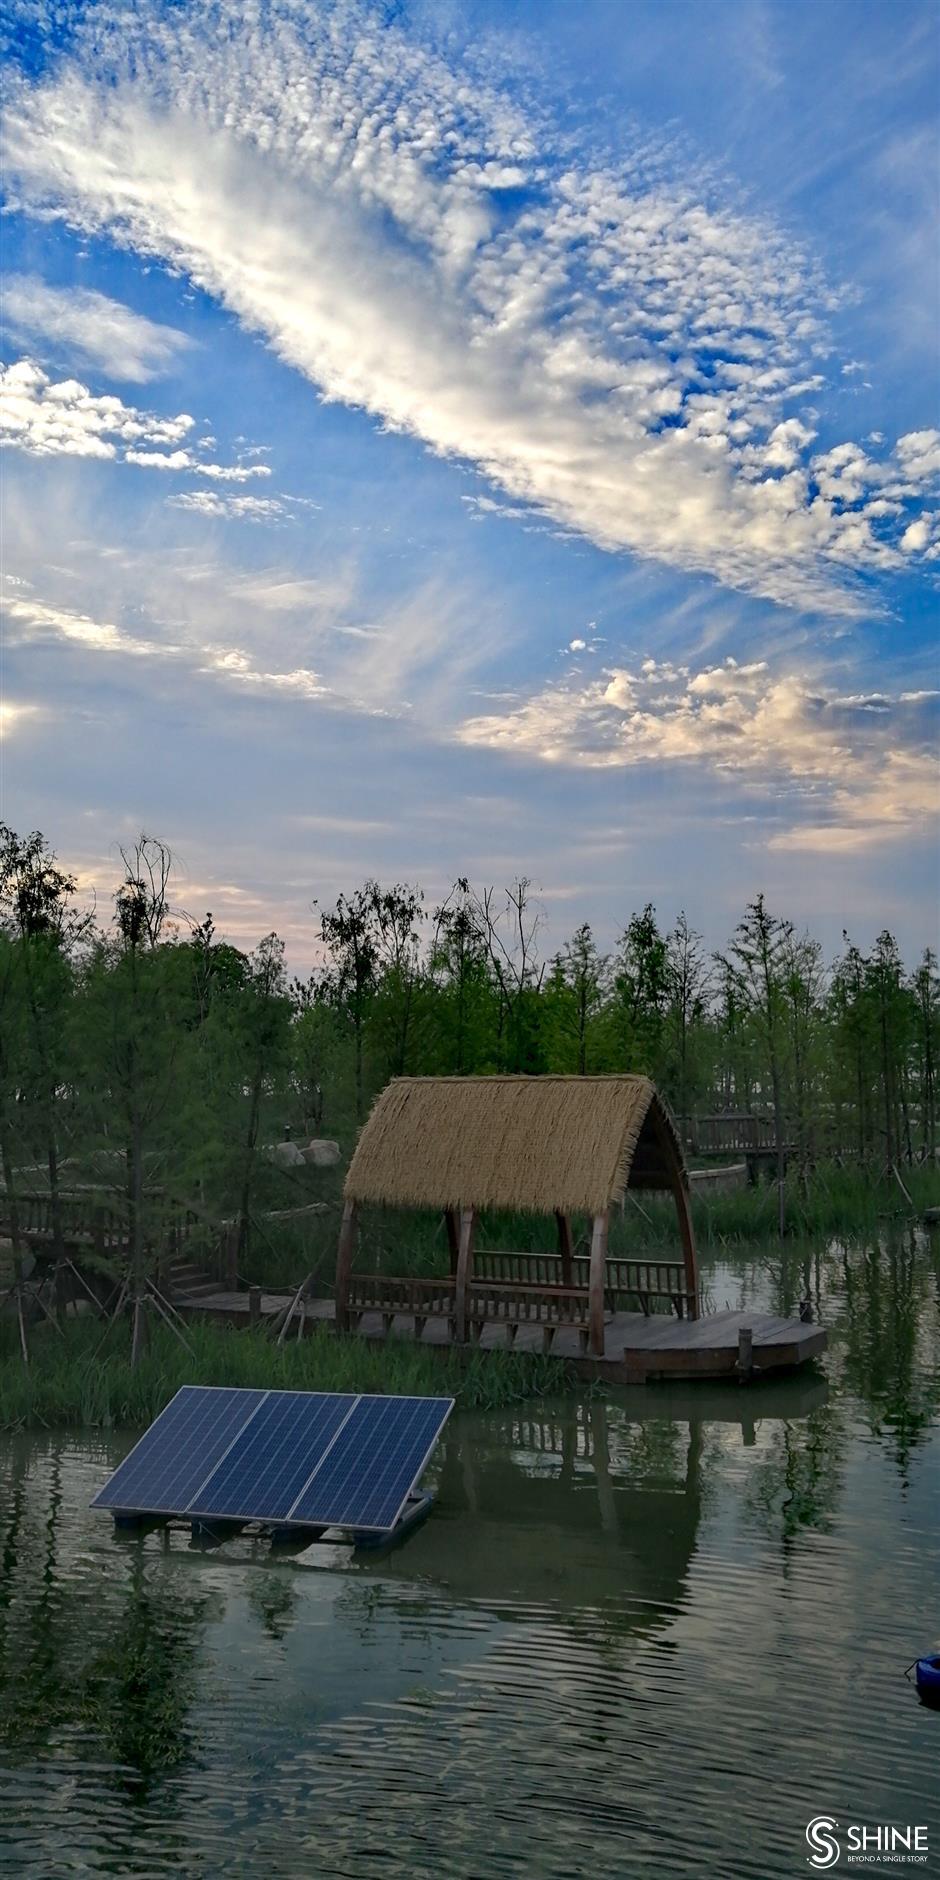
(146, 1036)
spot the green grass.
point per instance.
(66, 1384)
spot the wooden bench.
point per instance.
(500, 1302)
(624, 1280)
(423, 1298)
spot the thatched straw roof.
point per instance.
(532, 1143)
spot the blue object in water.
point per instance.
(927, 1679)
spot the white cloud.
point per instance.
(234, 664)
(232, 472)
(869, 762)
(230, 508)
(37, 621)
(184, 460)
(66, 419)
(160, 459)
(618, 347)
(102, 332)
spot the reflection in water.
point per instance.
(619, 1644)
(140, 1684)
(110, 1657)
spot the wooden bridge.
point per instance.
(80, 1246)
(745, 1134)
(733, 1132)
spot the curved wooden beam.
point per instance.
(468, 1220)
(596, 1283)
(682, 1199)
(687, 1237)
(344, 1260)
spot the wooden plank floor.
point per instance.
(636, 1349)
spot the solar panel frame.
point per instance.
(348, 1485)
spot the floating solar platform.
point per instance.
(287, 1459)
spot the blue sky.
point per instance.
(477, 439)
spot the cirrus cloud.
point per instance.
(617, 345)
(100, 330)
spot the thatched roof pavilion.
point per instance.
(542, 1145)
(538, 1145)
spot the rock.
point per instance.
(321, 1153)
(287, 1155)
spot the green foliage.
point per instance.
(159, 1064)
(66, 1383)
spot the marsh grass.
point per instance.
(834, 1200)
(66, 1384)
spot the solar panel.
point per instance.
(167, 1467)
(366, 1476)
(269, 1463)
(293, 1458)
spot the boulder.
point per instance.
(321, 1153)
(287, 1155)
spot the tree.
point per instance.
(349, 935)
(510, 926)
(36, 907)
(759, 954)
(884, 984)
(464, 1020)
(640, 993)
(396, 914)
(925, 985)
(802, 1002)
(688, 983)
(136, 1022)
(852, 1044)
(260, 1020)
(575, 995)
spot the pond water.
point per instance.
(649, 1634)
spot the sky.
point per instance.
(482, 439)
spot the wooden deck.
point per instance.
(637, 1349)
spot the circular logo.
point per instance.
(820, 1835)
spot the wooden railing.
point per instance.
(529, 1269)
(551, 1308)
(88, 1224)
(725, 1134)
(625, 1281)
(84, 1221)
(422, 1298)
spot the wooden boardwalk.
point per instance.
(637, 1349)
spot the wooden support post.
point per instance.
(565, 1247)
(596, 1283)
(231, 1258)
(453, 1237)
(745, 1364)
(254, 1305)
(344, 1260)
(464, 1271)
(687, 1236)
